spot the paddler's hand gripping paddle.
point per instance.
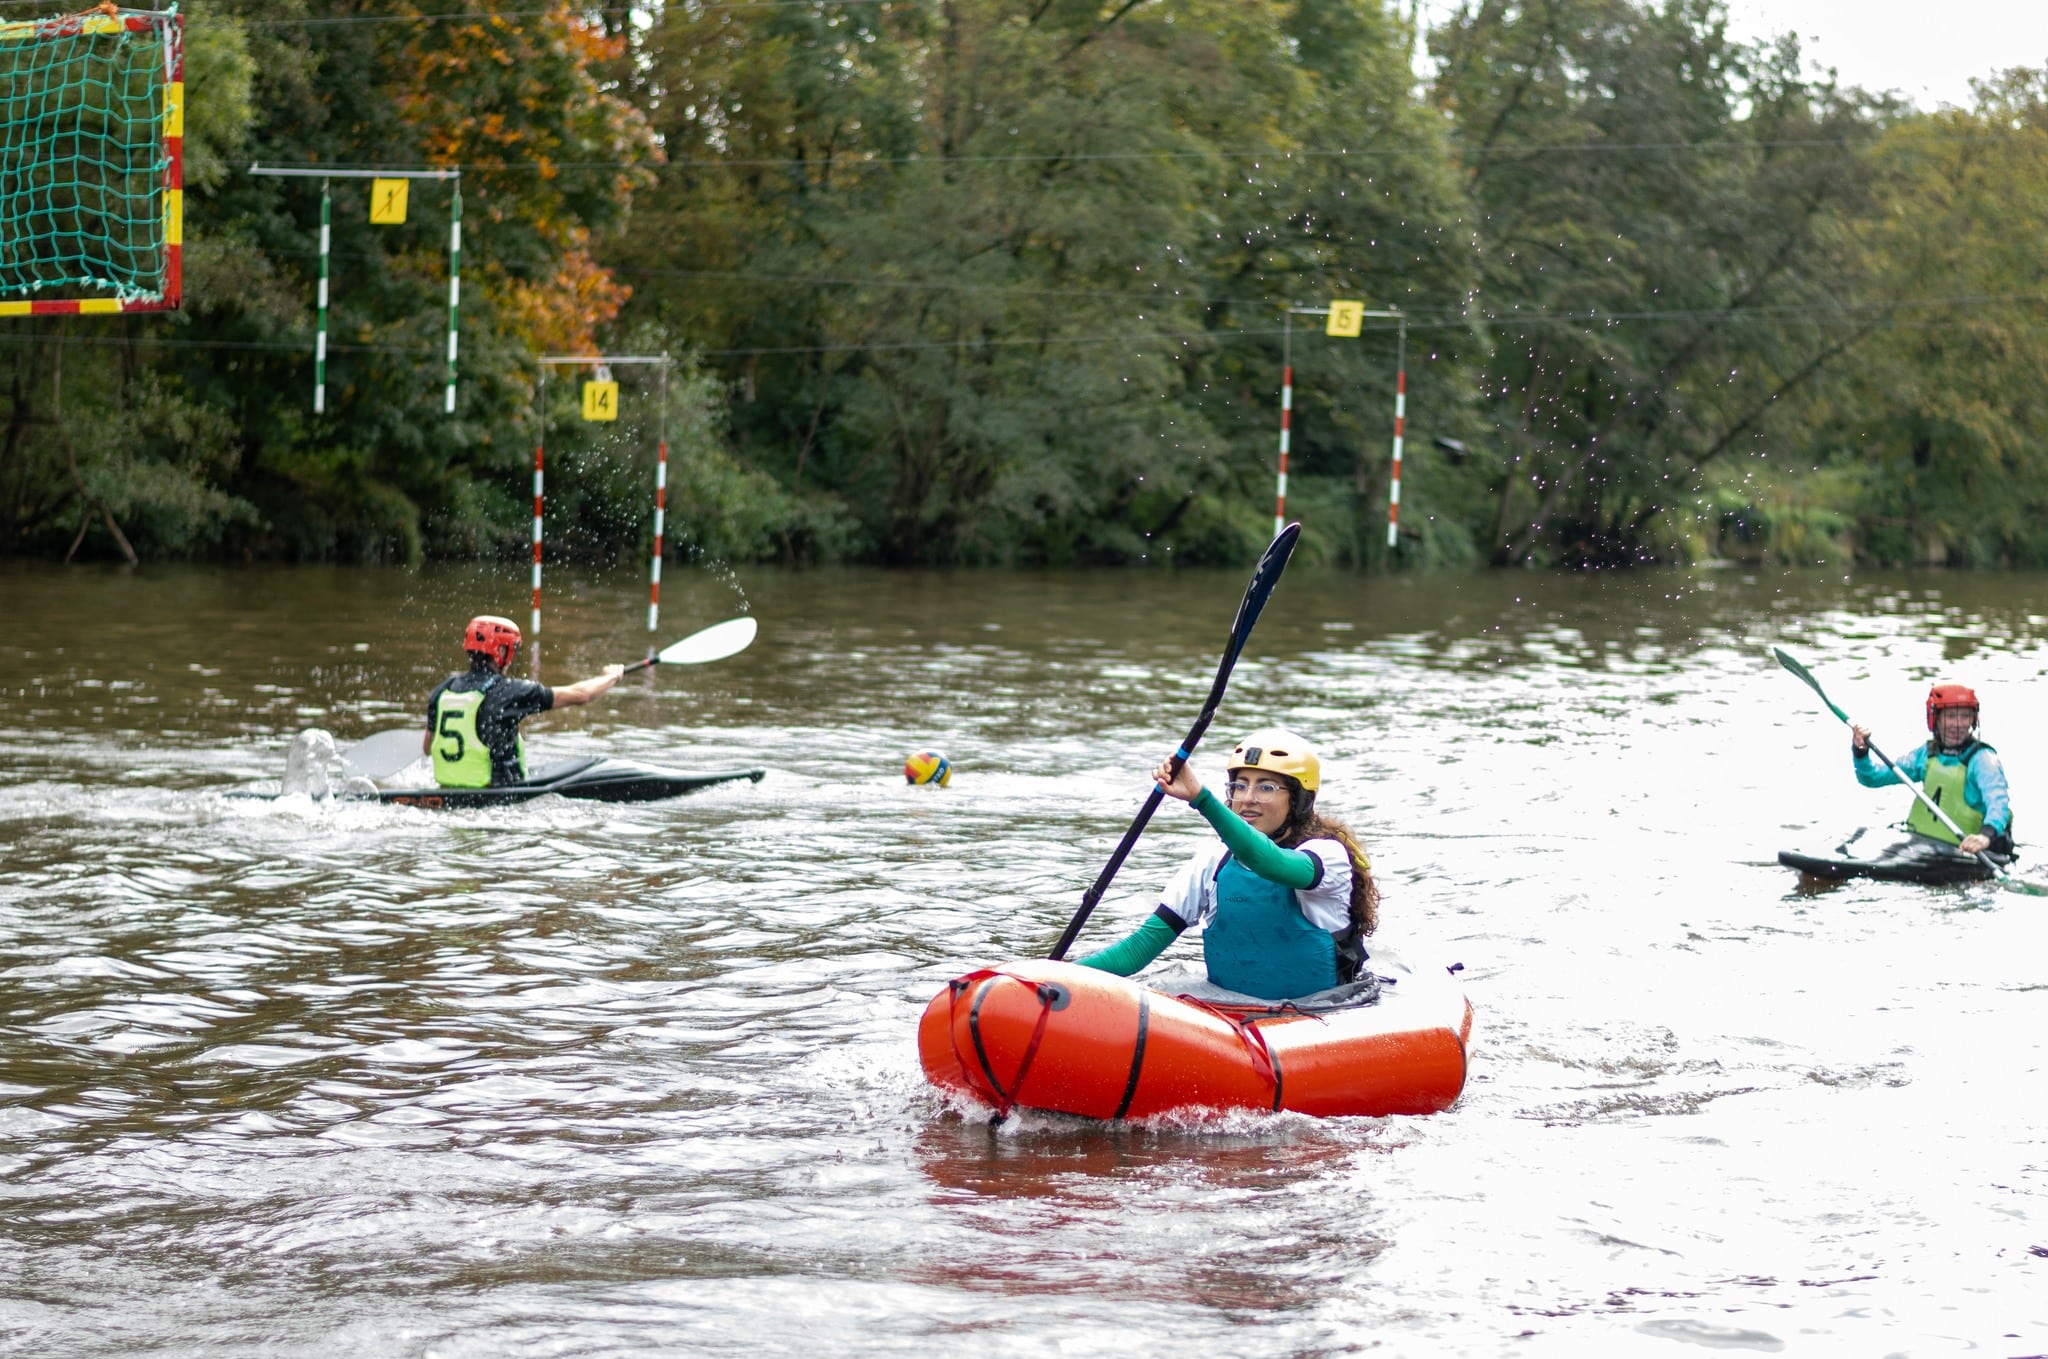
(1264, 578)
(1802, 673)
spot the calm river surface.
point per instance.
(301, 1079)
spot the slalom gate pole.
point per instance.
(320, 333)
(1400, 427)
(1286, 421)
(539, 445)
(660, 515)
(454, 288)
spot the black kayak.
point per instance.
(1889, 854)
(596, 779)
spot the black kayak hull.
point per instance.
(589, 780)
(594, 780)
(1888, 855)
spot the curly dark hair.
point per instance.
(1306, 823)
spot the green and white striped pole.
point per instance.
(454, 287)
(320, 335)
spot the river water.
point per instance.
(288, 1078)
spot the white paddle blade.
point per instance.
(714, 643)
(383, 755)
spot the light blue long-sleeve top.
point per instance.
(1983, 782)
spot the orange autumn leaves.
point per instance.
(520, 101)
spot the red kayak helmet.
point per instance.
(1949, 696)
(497, 638)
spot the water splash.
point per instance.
(312, 766)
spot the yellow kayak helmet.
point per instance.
(1279, 751)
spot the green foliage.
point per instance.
(1663, 205)
(1945, 412)
(286, 83)
(220, 87)
(602, 475)
(1010, 276)
(1007, 281)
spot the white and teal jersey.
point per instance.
(1190, 897)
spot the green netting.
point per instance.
(83, 154)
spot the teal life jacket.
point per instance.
(1945, 781)
(1260, 943)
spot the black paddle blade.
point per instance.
(1264, 577)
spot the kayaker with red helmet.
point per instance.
(473, 718)
(1957, 771)
(1284, 901)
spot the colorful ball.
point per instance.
(927, 766)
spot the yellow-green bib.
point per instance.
(1946, 778)
(461, 759)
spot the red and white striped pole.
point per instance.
(1286, 420)
(660, 512)
(537, 463)
(1400, 427)
(660, 516)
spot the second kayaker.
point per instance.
(1958, 772)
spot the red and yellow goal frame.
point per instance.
(169, 28)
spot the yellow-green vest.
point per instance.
(1944, 782)
(461, 759)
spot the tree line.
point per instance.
(1006, 281)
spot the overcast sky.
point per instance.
(1926, 49)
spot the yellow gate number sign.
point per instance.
(600, 401)
(1347, 319)
(387, 201)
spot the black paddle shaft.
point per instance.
(1264, 577)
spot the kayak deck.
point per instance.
(593, 779)
(596, 779)
(1887, 854)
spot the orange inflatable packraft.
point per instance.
(1070, 1039)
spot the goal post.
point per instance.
(600, 402)
(92, 124)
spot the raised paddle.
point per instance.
(714, 643)
(1801, 672)
(1264, 578)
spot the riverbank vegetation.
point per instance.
(1006, 281)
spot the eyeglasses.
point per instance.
(1264, 788)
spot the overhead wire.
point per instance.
(850, 163)
(1418, 321)
(1457, 315)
